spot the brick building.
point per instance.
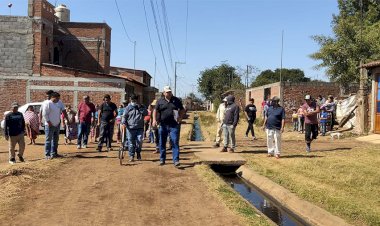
(291, 94)
(42, 52)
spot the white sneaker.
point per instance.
(12, 161)
(79, 147)
(84, 146)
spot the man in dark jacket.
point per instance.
(133, 121)
(14, 133)
(106, 117)
(250, 113)
(231, 119)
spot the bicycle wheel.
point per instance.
(121, 155)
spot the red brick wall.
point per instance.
(97, 97)
(294, 93)
(12, 90)
(88, 46)
(258, 94)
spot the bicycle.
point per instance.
(122, 147)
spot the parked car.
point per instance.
(23, 108)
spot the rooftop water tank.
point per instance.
(63, 13)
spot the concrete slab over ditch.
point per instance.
(306, 210)
(212, 156)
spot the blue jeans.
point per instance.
(323, 128)
(229, 136)
(173, 132)
(135, 138)
(83, 131)
(51, 140)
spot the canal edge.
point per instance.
(301, 208)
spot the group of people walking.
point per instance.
(312, 117)
(163, 120)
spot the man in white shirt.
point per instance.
(219, 118)
(51, 111)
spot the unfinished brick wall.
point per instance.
(257, 93)
(85, 46)
(11, 90)
(294, 93)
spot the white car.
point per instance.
(23, 108)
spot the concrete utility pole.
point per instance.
(363, 101)
(282, 51)
(175, 76)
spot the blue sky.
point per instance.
(239, 31)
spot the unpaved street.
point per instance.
(93, 189)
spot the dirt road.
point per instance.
(93, 189)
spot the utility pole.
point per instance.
(134, 57)
(246, 78)
(175, 76)
(155, 70)
(282, 50)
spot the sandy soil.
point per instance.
(91, 188)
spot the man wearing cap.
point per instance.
(106, 118)
(219, 122)
(310, 111)
(133, 122)
(14, 133)
(274, 123)
(230, 121)
(250, 113)
(86, 114)
(168, 113)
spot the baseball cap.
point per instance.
(167, 89)
(275, 98)
(307, 97)
(154, 102)
(225, 99)
(15, 104)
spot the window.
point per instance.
(46, 41)
(43, 26)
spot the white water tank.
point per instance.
(63, 13)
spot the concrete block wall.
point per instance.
(16, 45)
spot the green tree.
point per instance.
(356, 37)
(213, 82)
(269, 76)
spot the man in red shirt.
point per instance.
(310, 111)
(86, 114)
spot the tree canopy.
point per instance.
(269, 76)
(356, 37)
(213, 82)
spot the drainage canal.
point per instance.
(272, 210)
(197, 133)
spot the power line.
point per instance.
(169, 37)
(147, 26)
(165, 43)
(122, 22)
(159, 38)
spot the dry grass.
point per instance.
(341, 176)
(230, 198)
(16, 179)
